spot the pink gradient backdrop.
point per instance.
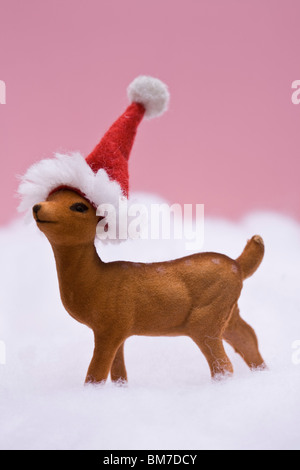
(231, 137)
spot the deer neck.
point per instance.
(79, 270)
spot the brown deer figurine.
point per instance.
(195, 296)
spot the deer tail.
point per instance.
(252, 256)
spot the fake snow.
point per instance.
(170, 401)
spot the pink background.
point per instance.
(230, 139)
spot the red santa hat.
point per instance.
(102, 177)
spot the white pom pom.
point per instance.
(152, 93)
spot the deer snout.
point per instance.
(39, 215)
(36, 208)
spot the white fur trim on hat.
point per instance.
(152, 93)
(67, 170)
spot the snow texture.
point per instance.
(170, 401)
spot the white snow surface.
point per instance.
(170, 401)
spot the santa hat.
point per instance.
(102, 177)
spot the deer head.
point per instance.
(66, 218)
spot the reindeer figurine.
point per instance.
(195, 296)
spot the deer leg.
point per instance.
(118, 370)
(104, 353)
(218, 361)
(243, 339)
(205, 327)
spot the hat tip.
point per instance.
(151, 92)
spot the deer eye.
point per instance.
(79, 207)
